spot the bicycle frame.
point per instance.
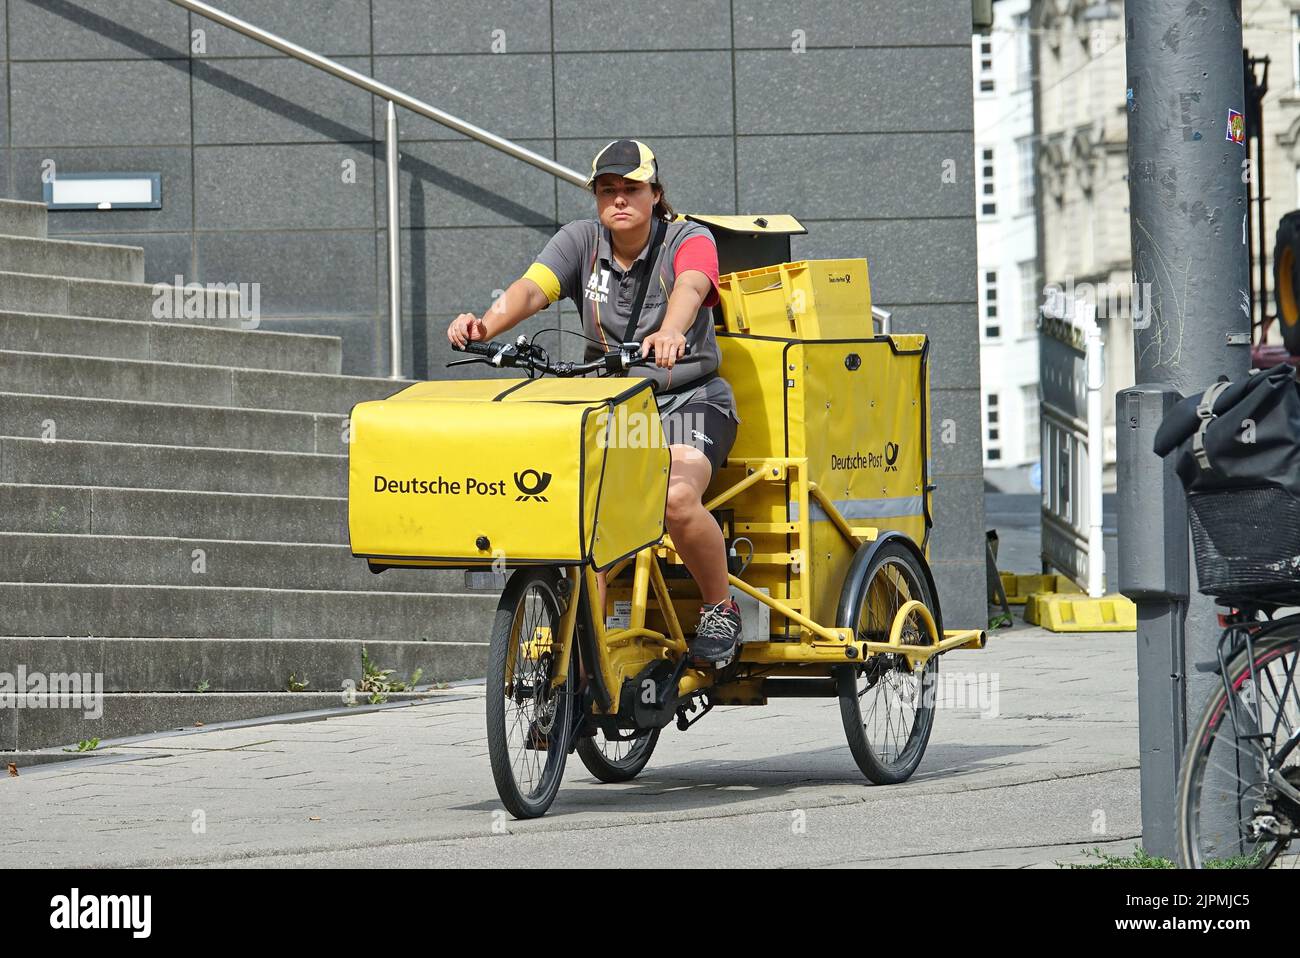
(624, 652)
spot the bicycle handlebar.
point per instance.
(524, 355)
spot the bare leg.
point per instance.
(696, 534)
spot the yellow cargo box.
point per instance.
(810, 299)
(856, 410)
(438, 474)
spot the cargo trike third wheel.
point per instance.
(887, 704)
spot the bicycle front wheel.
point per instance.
(529, 715)
(1230, 814)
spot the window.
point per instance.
(1029, 399)
(1024, 62)
(992, 326)
(986, 64)
(1025, 156)
(1028, 271)
(1295, 47)
(987, 201)
(992, 443)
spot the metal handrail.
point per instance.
(394, 97)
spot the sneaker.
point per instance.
(718, 634)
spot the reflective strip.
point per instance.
(545, 279)
(900, 506)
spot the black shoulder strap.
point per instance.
(656, 240)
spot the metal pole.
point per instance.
(394, 245)
(1256, 88)
(1095, 379)
(1188, 222)
(1255, 296)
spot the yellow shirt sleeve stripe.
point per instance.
(546, 281)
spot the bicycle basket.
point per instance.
(1247, 541)
(1238, 457)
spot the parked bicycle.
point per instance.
(1237, 451)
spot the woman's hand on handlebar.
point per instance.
(464, 328)
(668, 347)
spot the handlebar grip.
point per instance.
(647, 359)
(480, 349)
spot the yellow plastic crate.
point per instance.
(1066, 612)
(810, 299)
(1019, 587)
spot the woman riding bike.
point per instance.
(637, 276)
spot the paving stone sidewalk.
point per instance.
(1053, 773)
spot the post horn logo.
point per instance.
(891, 456)
(534, 487)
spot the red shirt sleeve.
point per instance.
(699, 253)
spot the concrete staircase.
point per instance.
(173, 508)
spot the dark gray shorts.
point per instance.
(706, 428)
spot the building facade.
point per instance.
(1082, 133)
(855, 117)
(1083, 175)
(1006, 225)
(1272, 30)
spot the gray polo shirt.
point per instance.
(578, 264)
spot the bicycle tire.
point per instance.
(595, 756)
(1214, 720)
(878, 587)
(549, 717)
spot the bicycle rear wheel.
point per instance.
(529, 718)
(1228, 810)
(615, 761)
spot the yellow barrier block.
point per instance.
(1077, 612)
(1019, 587)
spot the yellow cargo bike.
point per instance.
(824, 503)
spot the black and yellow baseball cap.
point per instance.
(628, 158)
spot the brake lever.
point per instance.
(463, 362)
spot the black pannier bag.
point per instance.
(1237, 448)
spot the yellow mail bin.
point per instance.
(519, 472)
